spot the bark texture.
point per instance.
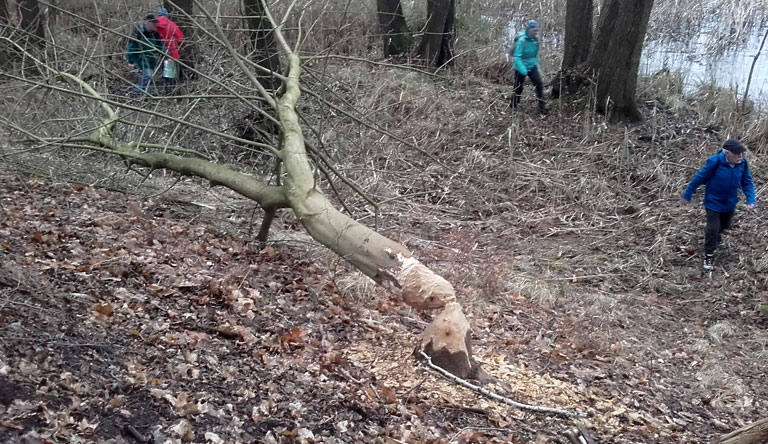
(179, 10)
(578, 33)
(263, 46)
(437, 41)
(756, 433)
(615, 55)
(32, 21)
(394, 29)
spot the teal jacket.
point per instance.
(144, 48)
(525, 53)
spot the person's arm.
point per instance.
(538, 51)
(748, 187)
(178, 34)
(518, 56)
(703, 176)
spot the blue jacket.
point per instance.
(723, 182)
(525, 53)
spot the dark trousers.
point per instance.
(535, 77)
(716, 224)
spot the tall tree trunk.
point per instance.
(394, 28)
(32, 21)
(615, 55)
(578, 33)
(179, 10)
(263, 42)
(435, 48)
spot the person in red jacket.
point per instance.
(172, 38)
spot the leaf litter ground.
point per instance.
(123, 321)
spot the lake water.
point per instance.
(700, 63)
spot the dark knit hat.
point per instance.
(151, 18)
(733, 146)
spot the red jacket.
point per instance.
(171, 35)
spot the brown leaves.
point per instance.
(103, 311)
(236, 332)
(294, 337)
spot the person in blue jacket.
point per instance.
(723, 174)
(524, 55)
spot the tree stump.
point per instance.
(447, 341)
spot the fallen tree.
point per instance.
(388, 263)
(755, 433)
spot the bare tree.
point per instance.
(612, 63)
(615, 61)
(437, 40)
(388, 263)
(394, 28)
(264, 48)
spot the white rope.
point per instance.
(505, 400)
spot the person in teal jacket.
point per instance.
(525, 61)
(724, 174)
(143, 52)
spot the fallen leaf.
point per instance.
(116, 402)
(388, 395)
(295, 336)
(103, 311)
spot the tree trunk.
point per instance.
(31, 21)
(179, 10)
(756, 433)
(397, 36)
(262, 38)
(578, 33)
(435, 48)
(614, 58)
(387, 262)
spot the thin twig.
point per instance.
(502, 399)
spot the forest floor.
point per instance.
(126, 320)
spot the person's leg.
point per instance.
(712, 231)
(725, 223)
(535, 77)
(518, 92)
(141, 82)
(145, 84)
(149, 74)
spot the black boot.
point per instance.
(543, 107)
(515, 100)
